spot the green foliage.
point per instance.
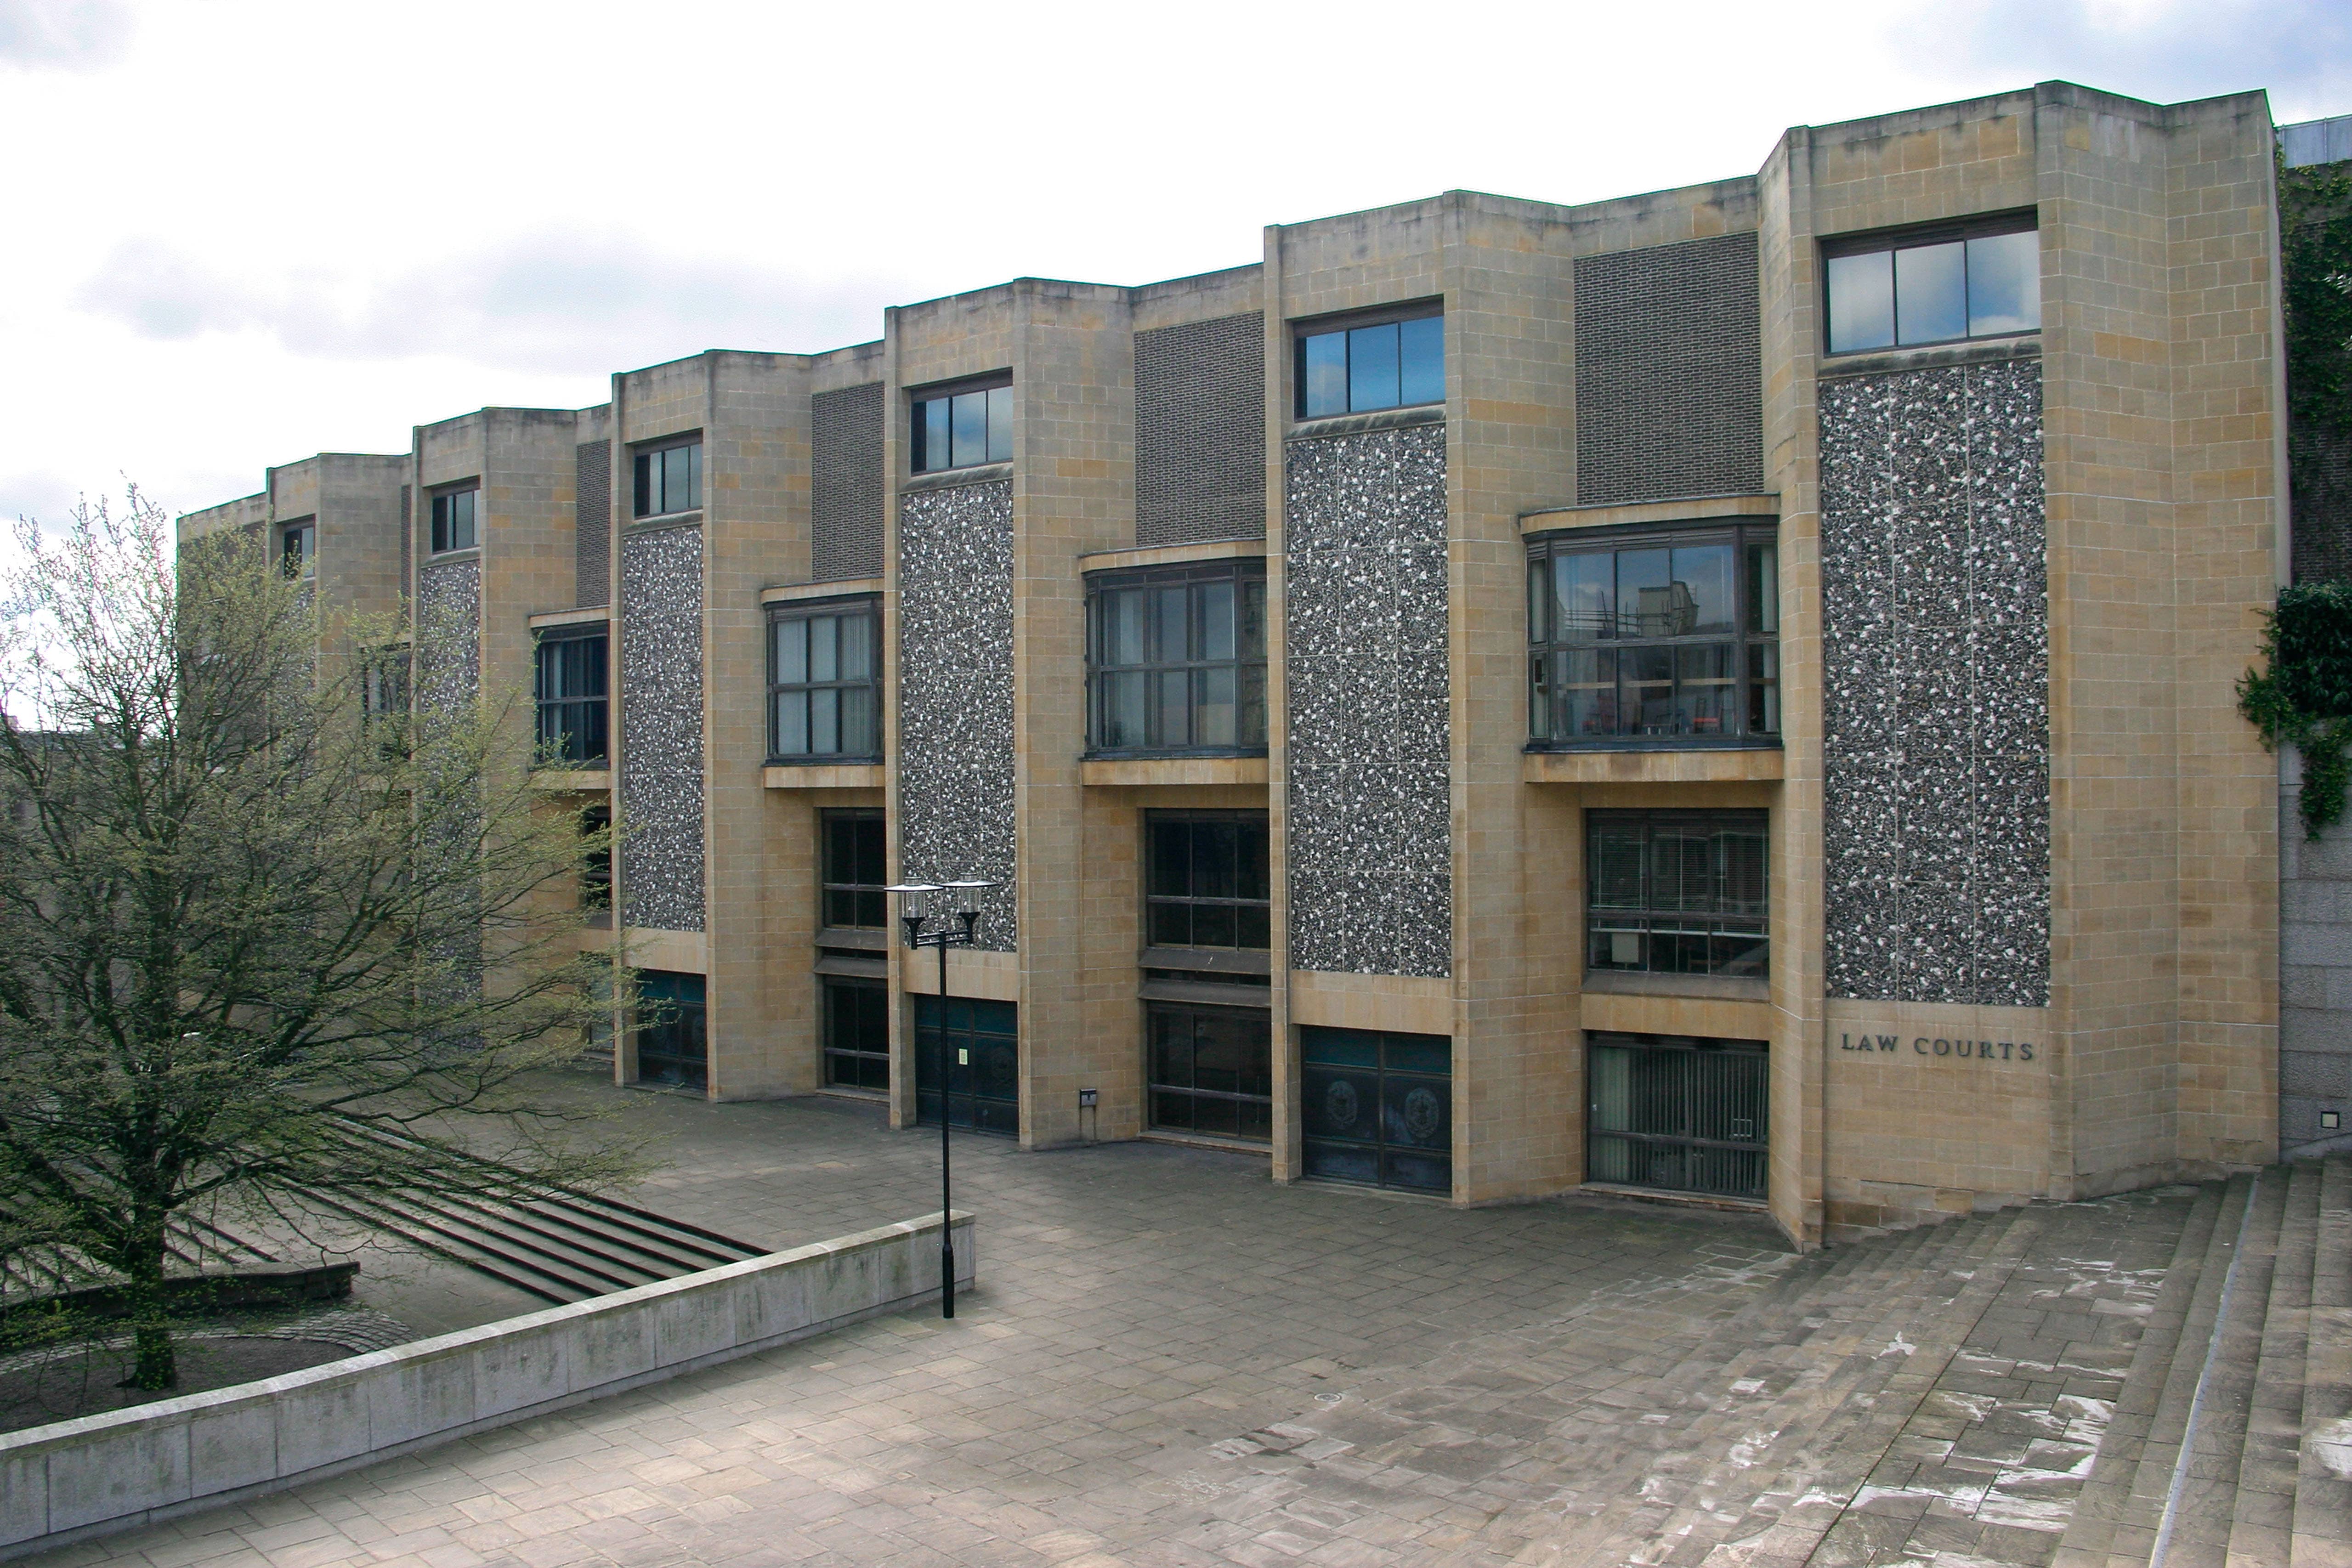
(2316, 243)
(2304, 699)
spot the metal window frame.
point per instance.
(1154, 817)
(644, 450)
(1870, 241)
(1153, 1089)
(552, 636)
(827, 1050)
(1305, 327)
(1596, 817)
(1240, 570)
(439, 496)
(1739, 532)
(809, 609)
(827, 818)
(992, 381)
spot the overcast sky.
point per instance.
(242, 233)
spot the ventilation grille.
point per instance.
(846, 483)
(1669, 382)
(1200, 430)
(593, 523)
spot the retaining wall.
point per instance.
(76, 1478)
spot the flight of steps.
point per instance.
(2006, 1388)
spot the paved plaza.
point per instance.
(1171, 1360)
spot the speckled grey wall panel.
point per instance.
(661, 728)
(1669, 378)
(1370, 839)
(1936, 637)
(591, 513)
(846, 483)
(955, 695)
(1200, 430)
(448, 633)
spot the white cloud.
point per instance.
(69, 35)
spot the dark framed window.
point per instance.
(383, 697)
(1653, 634)
(297, 549)
(983, 1049)
(1176, 659)
(1677, 892)
(856, 870)
(1205, 882)
(1943, 285)
(669, 479)
(963, 428)
(1210, 1070)
(569, 683)
(596, 859)
(1688, 1115)
(1378, 1108)
(825, 680)
(673, 1030)
(1361, 368)
(455, 525)
(857, 1033)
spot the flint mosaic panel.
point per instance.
(1936, 650)
(661, 728)
(955, 695)
(1369, 840)
(449, 634)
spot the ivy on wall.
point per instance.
(2316, 242)
(2305, 698)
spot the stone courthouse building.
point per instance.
(1723, 692)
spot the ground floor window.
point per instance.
(673, 1038)
(857, 1034)
(1212, 1071)
(1378, 1107)
(1684, 1114)
(984, 1084)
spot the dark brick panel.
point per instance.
(1669, 379)
(846, 483)
(593, 522)
(1200, 430)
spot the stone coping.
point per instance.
(71, 1479)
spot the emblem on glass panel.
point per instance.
(1339, 1104)
(1422, 1115)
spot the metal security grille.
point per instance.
(1688, 1115)
(593, 523)
(1200, 430)
(846, 483)
(1669, 380)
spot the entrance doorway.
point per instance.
(1686, 1115)
(673, 1038)
(1378, 1107)
(1212, 1071)
(857, 1033)
(983, 1088)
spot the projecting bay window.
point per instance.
(1943, 284)
(825, 685)
(669, 479)
(1177, 660)
(1653, 638)
(962, 428)
(1676, 892)
(569, 684)
(1394, 359)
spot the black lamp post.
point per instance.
(956, 906)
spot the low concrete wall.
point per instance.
(76, 1478)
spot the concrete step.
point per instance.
(2322, 1515)
(2262, 1512)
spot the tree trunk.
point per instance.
(155, 1365)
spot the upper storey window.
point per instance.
(454, 526)
(1177, 658)
(1651, 636)
(669, 479)
(1361, 369)
(1937, 286)
(299, 549)
(568, 683)
(964, 429)
(825, 687)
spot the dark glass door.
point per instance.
(984, 1086)
(1212, 1071)
(857, 1033)
(1687, 1115)
(673, 1040)
(1378, 1107)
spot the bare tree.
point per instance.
(265, 938)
